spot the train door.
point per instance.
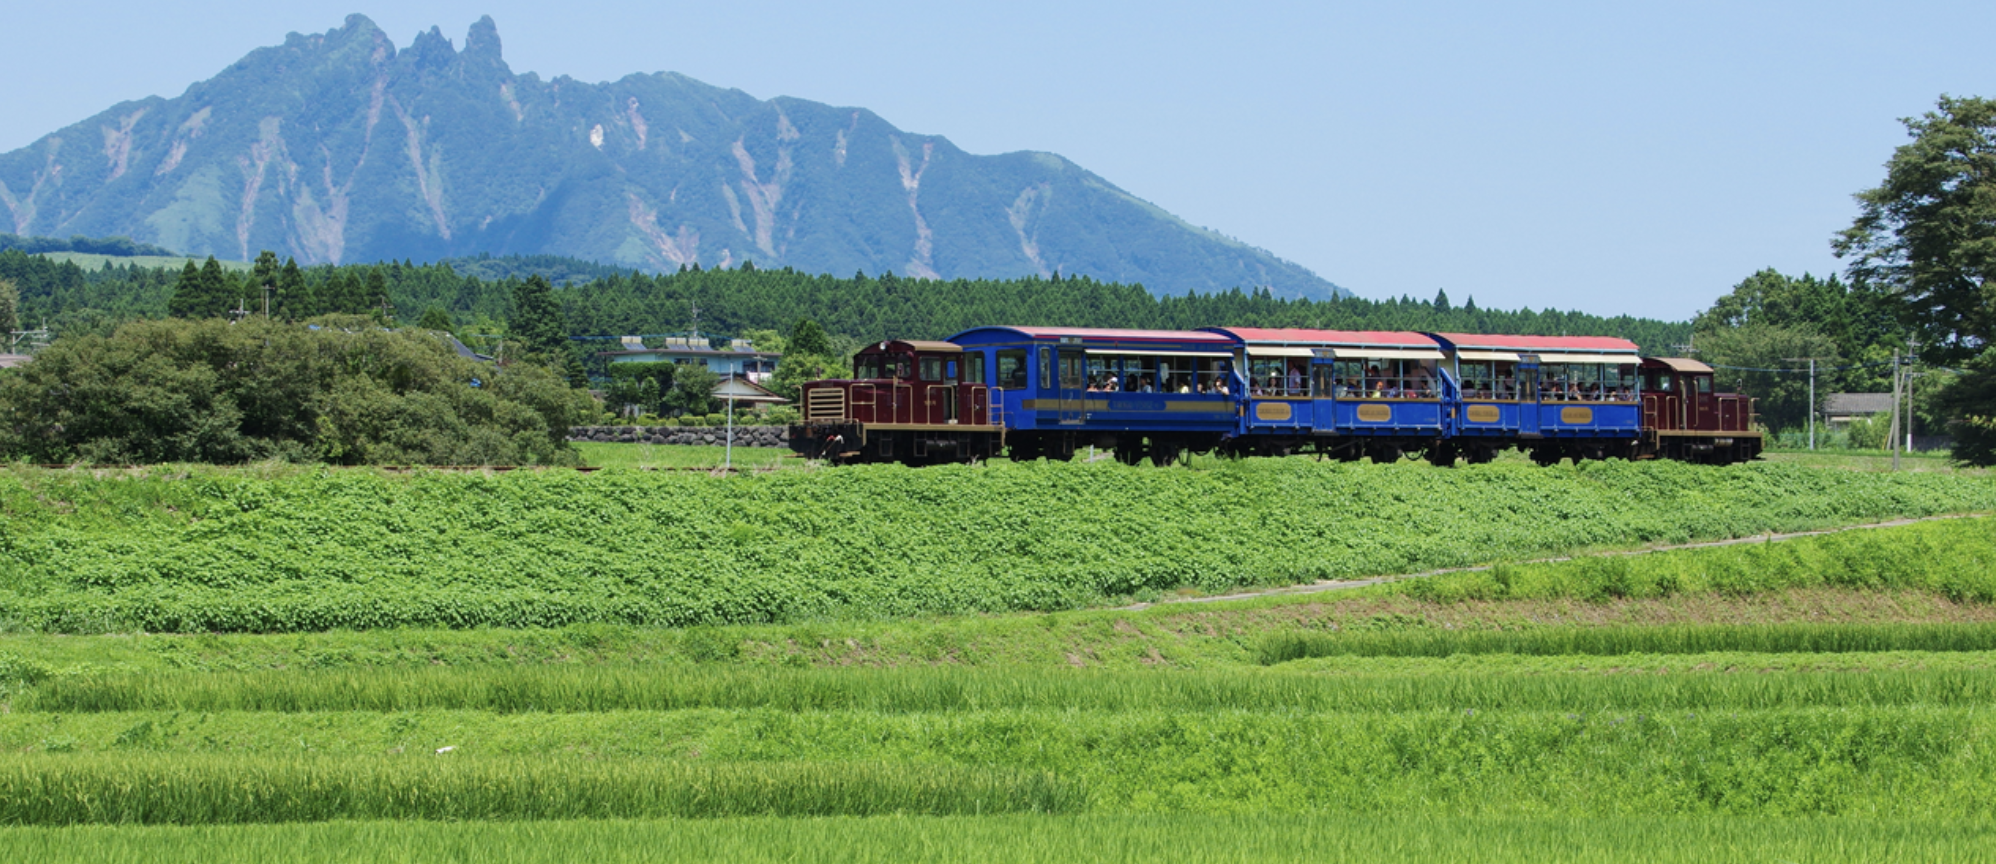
(1528, 395)
(1698, 402)
(1073, 383)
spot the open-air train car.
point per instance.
(1142, 394)
(1342, 393)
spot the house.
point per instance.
(745, 392)
(740, 358)
(1842, 408)
(9, 361)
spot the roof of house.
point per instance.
(9, 361)
(741, 389)
(1857, 403)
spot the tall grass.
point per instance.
(213, 790)
(589, 689)
(169, 550)
(1193, 839)
(1670, 639)
(1955, 558)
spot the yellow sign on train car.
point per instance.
(1272, 412)
(1375, 413)
(1485, 414)
(1576, 416)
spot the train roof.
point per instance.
(1304, 336)
(1107, 334)
(1537, 344)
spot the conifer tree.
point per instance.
(186, 299)
(293, 294)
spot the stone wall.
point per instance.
(745, 436)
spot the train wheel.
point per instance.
(1163, 454)
(1132, 451)
(1384, 454)
(1545, 457)
(1442, 455)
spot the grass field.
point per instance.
(680, 456)
(1824, 698)
(1421, 837)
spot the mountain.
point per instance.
(337, 147)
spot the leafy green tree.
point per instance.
(643, 386)
(10, 307)
(1927, 235)
(806, 337)
(374, 295)
(187, 301)
(692, 390)
(538, 326)
(294, 294)
(210, 391)
(435, 318)
(1441, 301)
(1740, 352)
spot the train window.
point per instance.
(1073, 370)
(866, 367)
(1704, 383)
(1012, 369)
(1046, 368)
(974, 367)
(949, 371)
(932, 368)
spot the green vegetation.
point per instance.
(342, 390)
(682, 456)
(260, 551)
(1956, 559)
(1428, 724)
(605, 303)
(1192, 838)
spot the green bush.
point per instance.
(342, 390)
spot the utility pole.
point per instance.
(1812, 395)
(267, 287)
(1892, 431)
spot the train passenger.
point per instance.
(1295, 381)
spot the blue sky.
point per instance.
(1634, 158)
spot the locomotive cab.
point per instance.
(908, 401)
(1684, 417)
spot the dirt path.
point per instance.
(1323, 586)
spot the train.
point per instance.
(1159, 395)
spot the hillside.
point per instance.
(338, 147)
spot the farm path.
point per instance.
(1346, 585)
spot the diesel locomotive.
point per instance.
(1046, 392)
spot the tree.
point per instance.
(264, 274)
(186, 299)
(1927, 237)
(692, 390)
(374, 297)
(10, 307)
(641, 385)
(1441, 300)
(435, 318)
(294, 295)
(806, 337)
(212, 391)
(539, 330)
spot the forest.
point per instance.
(601, 302)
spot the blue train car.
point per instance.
(1141, 394)
(1343, 393)
(1554, 397)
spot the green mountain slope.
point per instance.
(337, 147)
